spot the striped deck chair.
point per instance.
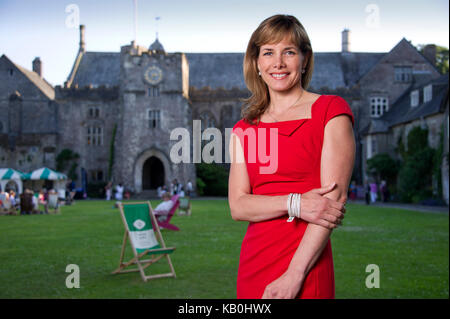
(146, 240)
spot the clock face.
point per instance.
(153, 75)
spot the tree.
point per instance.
(442, 56)
(384, 167)
(66, 157)
(416, 172)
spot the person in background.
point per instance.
(353, 190)
(189, 188)
(373, 192)
(108, 191)
(12, 198)
(162, 210)
(119, 192)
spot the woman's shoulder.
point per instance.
(334, 105)
(242, 123)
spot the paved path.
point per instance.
(419, 208)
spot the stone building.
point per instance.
(117, 109)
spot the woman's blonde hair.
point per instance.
(272, 30)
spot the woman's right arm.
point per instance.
(245, 206)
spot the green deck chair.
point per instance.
(146, 240)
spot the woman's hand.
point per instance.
(320, 210)
(285, 287)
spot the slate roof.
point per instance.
(402, 112)
(45, 87)
(336, 70)
(216, 70)
(98, 68)
(224, 70)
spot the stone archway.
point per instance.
(152, 167)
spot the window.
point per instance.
(153, 91)
(96, 175)
(207, 120)
(154, 119)
(10, 72)
(94, 135)
(403, 74)
(1, 127)
(427, 93)
(414, 98)
(378, 106)
(94, 112)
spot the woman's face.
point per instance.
(280, 65)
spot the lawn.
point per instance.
(410, 248)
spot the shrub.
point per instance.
(214, 177)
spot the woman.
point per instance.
(280, 257)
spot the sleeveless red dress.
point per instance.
(268, 246)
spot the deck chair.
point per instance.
(53, 203)
(146, 240)
(165, 224)
(185, 206)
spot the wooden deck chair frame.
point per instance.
(143, 264)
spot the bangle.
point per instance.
(293, 205)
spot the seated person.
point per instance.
(162, 210)
(26, 202)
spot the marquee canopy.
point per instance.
(45, 174)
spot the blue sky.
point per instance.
(30, 28)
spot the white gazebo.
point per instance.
(9, 174)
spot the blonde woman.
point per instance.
(285, 257)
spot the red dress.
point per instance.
(268, 246)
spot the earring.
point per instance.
(303, 71)
(259, 73)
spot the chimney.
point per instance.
(429, 51)
(346, 40)
(37, 66)
(82, 43)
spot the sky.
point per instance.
(49, 29)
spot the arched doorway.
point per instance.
(152, 173)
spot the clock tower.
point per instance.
(154, 88)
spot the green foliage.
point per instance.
(416, 172)
(200, 186)
(215, 178)
(415, 176)
(111, 152)
(65, 158)
(442, 57)
(384, 166)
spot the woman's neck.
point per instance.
(282, 101)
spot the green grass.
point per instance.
(410, 248)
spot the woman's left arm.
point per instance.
(338, 157)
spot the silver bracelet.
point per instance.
(293, 205)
